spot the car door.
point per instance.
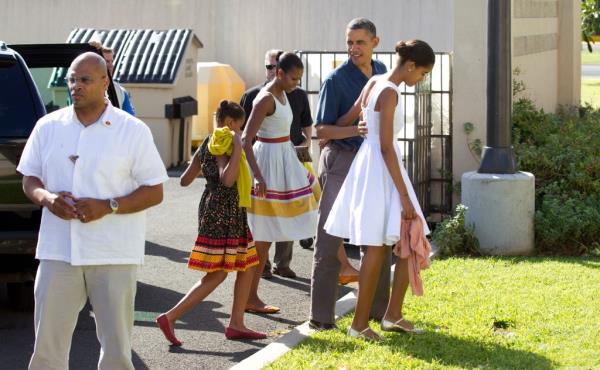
(31, 85)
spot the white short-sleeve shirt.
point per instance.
(108, 159)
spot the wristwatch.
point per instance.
(114, 205)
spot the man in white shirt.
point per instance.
(94, 169)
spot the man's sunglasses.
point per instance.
(270, 66)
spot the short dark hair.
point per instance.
(362, 24)
(417, 51)
(273, 53)
(288, 60)
(228, 108)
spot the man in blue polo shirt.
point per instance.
(338, 93)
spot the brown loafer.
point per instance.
(267, 274)
(285, 272)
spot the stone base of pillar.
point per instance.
(502, 208)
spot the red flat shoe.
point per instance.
(163, 324)
(232, 334)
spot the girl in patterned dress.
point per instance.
(224, 243)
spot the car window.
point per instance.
(17, 110)
(54, 93)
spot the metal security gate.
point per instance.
(427, 134)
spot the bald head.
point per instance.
(87, 81)
(90, 60)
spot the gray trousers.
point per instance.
(334, 165)
(283, 255)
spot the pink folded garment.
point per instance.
(414, 246)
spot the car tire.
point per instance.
(20, 296)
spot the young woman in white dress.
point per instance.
(283, 206)
(377, 193)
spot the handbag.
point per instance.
(303, 154)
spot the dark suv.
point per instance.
(31, 85)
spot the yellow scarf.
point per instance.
(221, 143)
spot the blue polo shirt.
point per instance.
(339, 92)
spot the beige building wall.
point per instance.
(535, 49)
(468, 81)
(236, 32)
(545, 49)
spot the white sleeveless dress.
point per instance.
(367, 210)
(289, 209)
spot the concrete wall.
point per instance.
(535, 49)
(545, 49)
(468, 81)
(236, 32)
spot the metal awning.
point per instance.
(142, 56)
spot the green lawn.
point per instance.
(590, 58)
(590, 91)
(494, 313)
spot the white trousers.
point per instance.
(61, 291)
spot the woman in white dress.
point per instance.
(377, 193)
(283, 206)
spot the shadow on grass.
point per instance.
(441, 348)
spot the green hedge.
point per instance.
(562, 150)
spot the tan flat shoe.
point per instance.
(347, 279)
(363, 334)
(268, 309)
(396, 327)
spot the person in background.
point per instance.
(122, 94)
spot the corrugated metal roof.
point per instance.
(141, 56)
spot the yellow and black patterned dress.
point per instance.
(224, 240)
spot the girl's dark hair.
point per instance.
(288, 60)
(228, 108)
(417, 51)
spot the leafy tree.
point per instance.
(590, 20)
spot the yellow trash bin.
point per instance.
(216, 81)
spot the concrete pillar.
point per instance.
(468, 81)
(569, 54)
(502, 208)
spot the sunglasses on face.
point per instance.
(270, 66)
